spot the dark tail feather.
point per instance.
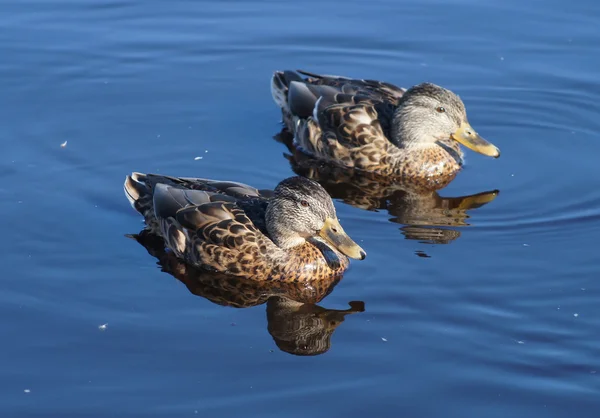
(138, 193)
(280, 84)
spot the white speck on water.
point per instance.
(27, 391)
(512, 175)
(526, 245)
(520, 342)
(384, 339)
(575, 315)
(198, 158)
(583, 288)
(158, 136)
(205, 151)
(63, 145)
(102, 327)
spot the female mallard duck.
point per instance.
(289, 234)
(375, 126)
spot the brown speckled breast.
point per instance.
(431, 168)
(309, 262)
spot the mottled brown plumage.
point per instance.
(289, 234)
(298, 326)
(412, 135)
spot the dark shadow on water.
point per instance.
(426, 216)
(297, 324)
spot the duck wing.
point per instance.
(337, 118)
(206, 222)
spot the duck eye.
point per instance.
(304, 203)
(440, 109)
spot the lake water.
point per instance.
(487, 313)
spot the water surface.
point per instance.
(493, 313)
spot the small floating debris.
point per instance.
(575, 315)
(526, 245)
(198, 158)
(384, 339)
(63, 145)
(27, 391)
(520, 342)
(102, 327)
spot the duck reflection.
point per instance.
(426, 216)
(297, 324)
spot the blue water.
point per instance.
(495, 315)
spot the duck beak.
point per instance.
(334, 234)
(468, 137)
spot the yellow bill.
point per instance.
(468, 137)
(334, 234)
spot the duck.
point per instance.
(289, 234)
(410, 134)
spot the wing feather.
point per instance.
(206, 222)
(341, 119)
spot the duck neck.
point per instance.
(404, 132)
(278, 228)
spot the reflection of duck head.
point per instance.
(426, 215)
(304, 329)
(295, 322)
